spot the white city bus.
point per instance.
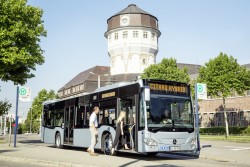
(159, 118)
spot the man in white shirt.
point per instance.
(93, 124)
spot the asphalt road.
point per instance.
(220, 154)
(16, 164)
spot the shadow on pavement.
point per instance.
(30, 141)
(135, 156)
(130, 163)
(3, 151)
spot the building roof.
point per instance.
(86, 75)
(132, 9)
(192, 68)
(246, 65)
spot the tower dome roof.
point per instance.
(132, 9)
(132, 16)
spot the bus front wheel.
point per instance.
(58, 142)
(107, 143)
(151, 154)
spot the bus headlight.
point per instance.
(193, 142)
(149, 142)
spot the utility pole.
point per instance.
(4, 126)
(99, 78)
(30, 119)
(10, 129)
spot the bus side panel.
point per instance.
(48, 134)
(82, 137)
(141, 144)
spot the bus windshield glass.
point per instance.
(166, 112)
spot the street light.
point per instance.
(99, 78)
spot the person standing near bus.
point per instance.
(119, 131)
(93, 124)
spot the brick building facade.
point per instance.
(211, 112)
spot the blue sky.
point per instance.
(192, 31)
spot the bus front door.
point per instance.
(69, 125)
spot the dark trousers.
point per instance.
(117, 136)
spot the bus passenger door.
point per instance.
(126, 105)
(69, 125)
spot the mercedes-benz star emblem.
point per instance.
(174, 141)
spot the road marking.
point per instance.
(238, 148)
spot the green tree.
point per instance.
(20, 29)
(223, 76)
(21, 128)
(167, 70)
(4, 107)
(35, 112)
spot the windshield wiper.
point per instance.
(159, 128)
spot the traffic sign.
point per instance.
(25, 94)
(201, 91)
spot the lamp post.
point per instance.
(99, 78)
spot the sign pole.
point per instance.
(16, 120)
(197, 117)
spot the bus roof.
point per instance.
(113, 86)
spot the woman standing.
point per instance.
(119, 131)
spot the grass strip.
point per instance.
(237, 139)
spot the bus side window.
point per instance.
(101, 117)
(111, 117)
(80, 117)
(87, 118)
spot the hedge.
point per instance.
(222, 130)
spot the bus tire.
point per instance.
(107, 143)
(58, 142)
(196, 154)
(151, 154)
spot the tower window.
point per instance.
(153, 36)
(145, 34)
(143, 61)
(125, 34)
(135, 34)
(116, 36)
(109, 38)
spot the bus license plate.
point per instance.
(175, 148)
(165, 148)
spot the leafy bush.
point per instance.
(246, 131)
(21, 128)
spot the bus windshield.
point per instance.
(166, 112)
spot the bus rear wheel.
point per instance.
(58, 142)
(107, 143)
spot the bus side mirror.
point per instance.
(147, 94)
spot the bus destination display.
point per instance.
(164, 88)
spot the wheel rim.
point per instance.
(58, 141)
(108, 145)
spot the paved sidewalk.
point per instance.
(34, 152)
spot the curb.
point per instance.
(42, 162)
